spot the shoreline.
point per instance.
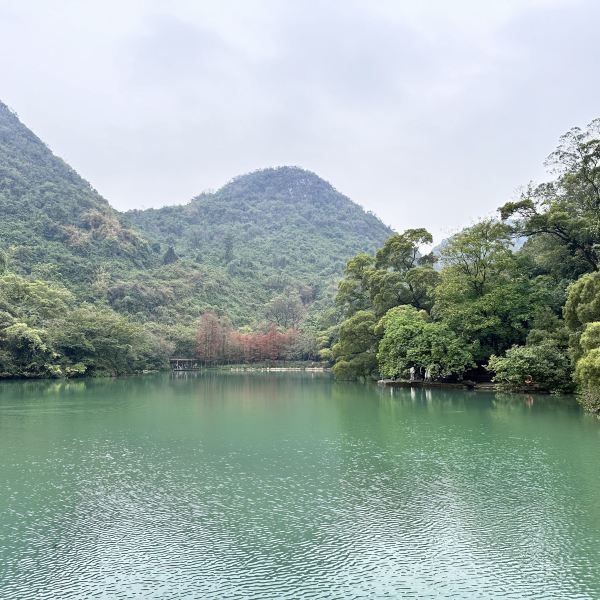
(277, 369)
(484, 386)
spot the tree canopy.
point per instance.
(411, 340)
(517, 298)
(568, 208)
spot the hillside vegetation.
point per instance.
(52, 219)
(265, 250)
(271, 232)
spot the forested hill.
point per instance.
(273, 234)
(285, 225)
(51, 216)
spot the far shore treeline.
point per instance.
(251, 273)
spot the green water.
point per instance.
(292, 485)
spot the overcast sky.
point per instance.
(429, 113)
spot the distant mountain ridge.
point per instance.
(271, 232)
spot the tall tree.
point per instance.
(354, 289)
(403, 274)
(399, 274)
(210, 339)
(567, 209)
(286, 310)
(412, 340)
(581, 309)
(356, 349)
(483, 294)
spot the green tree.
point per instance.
(547, 326)
(401, 253)
(547, 255)
(354, 289)
(399, 274)
(228, 245)
(403, 275)
(356, 348)
(590, 338)
(286, 310)
(170, 257)
(34, 300)
(587, 371)
(26, 307)
(411, 340)
(567, 209)
(484, 295)
(583, 302)
(104, 342)
(26, 352)
(582, 307)
(582, 317)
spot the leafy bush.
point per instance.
(589, 398)
(105, 342)
(544, 366)
(363, 365)
(587, 370)
(583, 302)
(590, 338)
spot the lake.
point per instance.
(289, 485)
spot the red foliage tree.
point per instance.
(217, 343)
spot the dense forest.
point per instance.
(488, 305)
(278, 265)
(85, 289)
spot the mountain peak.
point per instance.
(280, 230)
(282, 172)
(285, 223)
(291, 181)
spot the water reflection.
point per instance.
(292, 485)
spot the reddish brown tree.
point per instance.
(217, 343)
(211, 339)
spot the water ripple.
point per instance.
(272, 488)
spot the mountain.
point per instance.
(282, 231)
(51, 217)
(279, 220)
(274, 233)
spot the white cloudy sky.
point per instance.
(427, 112)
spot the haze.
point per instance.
(429, 114)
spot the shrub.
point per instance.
(587, 370)
(589, 398)
(544, 366)
(362, 365)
